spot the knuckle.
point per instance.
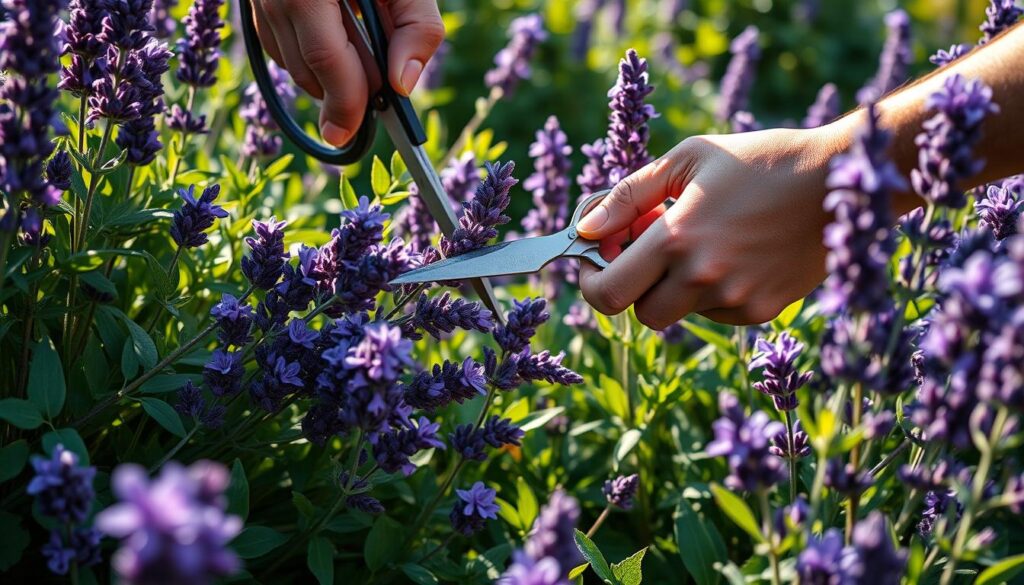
(320, 58)
(605, 299)
(650, 319)
(431, 33)
(623, 194)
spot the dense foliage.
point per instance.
(196, 391)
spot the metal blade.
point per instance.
(434, 196)
(516, 257)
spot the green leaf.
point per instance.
(129, 361)
(737, 510)
(788, 315)
(256, 541)
(349, 199)
(627, 442)
(380, 180)
(593, 556)
(99, 282)
(12, 459)
(164, 414)
(418, 574)
(700, 545)
(509, 513)
(380, 547)
(20, 413)
(539, 418)
(278, 166)
(320, 559)
(397, 166)
(71, 440)
(526, 504)
(13, 540)
(628, 572)
(575, 573)
(142, 344)
(46, 387)
(1002, 572)
(238, 491)
(303, 505)
(714, 338)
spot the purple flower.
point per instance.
(260, 140)
(821, 563)
(845, 479)
(393, 449)
(936, 505)
(126, 24)
(442, 314)
(139, 136)
(547, 367)
(778, 362)
(580, 317)
(594, 177)
(414, 223)
(81, 33)
(825, 107)
(483, 213)
(190, 401)
(550, 181)
(433, 71)
(512, 64)
(29, 54)
(999, 16)
(522, 323)
(360, 501)
(234, 320)
(947, 143)
(266, 261)
(585, 12)
(461, 178)
(164, 24)
(526, 571)
(83, 549)
(477, 505)
(498, 432)
(620, 491)
(199, 49)
(942, 57)
(183, 121)
(894, 60)
(223, 373)
(626, 143)
(62, 488)
(743, 121)
(859, 240)
(552, 535)
(1000, 210)
(468, 442)
(173, 529)
(739, 77)
(878, 561)
(447, 382)
(746, 444)
(190, 222)
(781, 447)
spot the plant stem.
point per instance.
(766, 521)
(977, 493)
(184, 137)
(174, 451)
(94, 181)
(437, 548)
(792, 458)
(854, 500)
(627, 386)
(472, 126)
(903, 446)
(600, 520)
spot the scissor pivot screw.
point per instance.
(572, 233)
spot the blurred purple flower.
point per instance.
(894, 62)
(845, 479)
(433, 71)
(195, 216)
(999, 16)
(825, 107)
(942, 57)
(822, 561)
(734, 92)
(579, 316)
(199, 49)
(183, 121)
(743, 121)
(878, 560)
(461, 178)
(550, 181)
(594, 177)
(526, 571)
(512, 64)
(552, 535)
(62, 488)
(164, 24)
(260, 141)
(620, 491)
(173, 529)
(745, 441)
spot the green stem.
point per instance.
(600, 520)
(766, 521)
(903, 446)
(174, 451)
(854, 500)
(792, 458)
(977, 493)
(94, 181)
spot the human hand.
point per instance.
(309, 38)
(742, 241)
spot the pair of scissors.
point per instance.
(395, 111)
(522, 256)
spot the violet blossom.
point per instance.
(199, 49)
(781, 377)
(628, 133)
(482, 214)
(825, 107)
(894, 62)
(620, 491)
(195, 216)
(477, 505)
(512, 64)
(999, 16)
(739, 77)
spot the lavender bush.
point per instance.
(206, 377)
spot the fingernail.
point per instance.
(333, 134)
(593, 221)
(410, 75)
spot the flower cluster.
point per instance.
(825, 107)
(628, 134)
(474, 510)
(261, 141)
(947, 143)
(550, 182)
(484, 213)
(999, 211)
(512, 64)
(199, 49)
(781, 378)
(895, 60)
(999, 16)
(620, 491)
(64, 493)
(195, 216)
(739, 77)
(871, 557)
(550, 550)
(746, 442)
(174, 528)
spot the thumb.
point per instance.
(634, 196)
(418, 33)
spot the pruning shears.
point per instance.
(393, 110)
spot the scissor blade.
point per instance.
(515, 257)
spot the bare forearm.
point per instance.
(999, 65)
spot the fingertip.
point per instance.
(590, 226)
(333, 134)
(410, 76)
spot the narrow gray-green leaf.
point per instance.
(1002, 572)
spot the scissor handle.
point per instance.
(364, 136)
(581, 247)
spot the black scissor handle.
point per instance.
(363, 138)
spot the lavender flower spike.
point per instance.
(595, 175)
(190, 222)
(1000, 210)
(943, 57)
(173, 529)
(894, 61)
(512, 64)
(947, 143)
(482, 215)
(552, 534)
(739, 77)
(825, 107)
(746, 443)
(550, 181)
(628, 133)
(62, 487)
(263, 267)
(620, 491)
(781, 378)
(999, 16)
(476, 507)
(199, 49)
